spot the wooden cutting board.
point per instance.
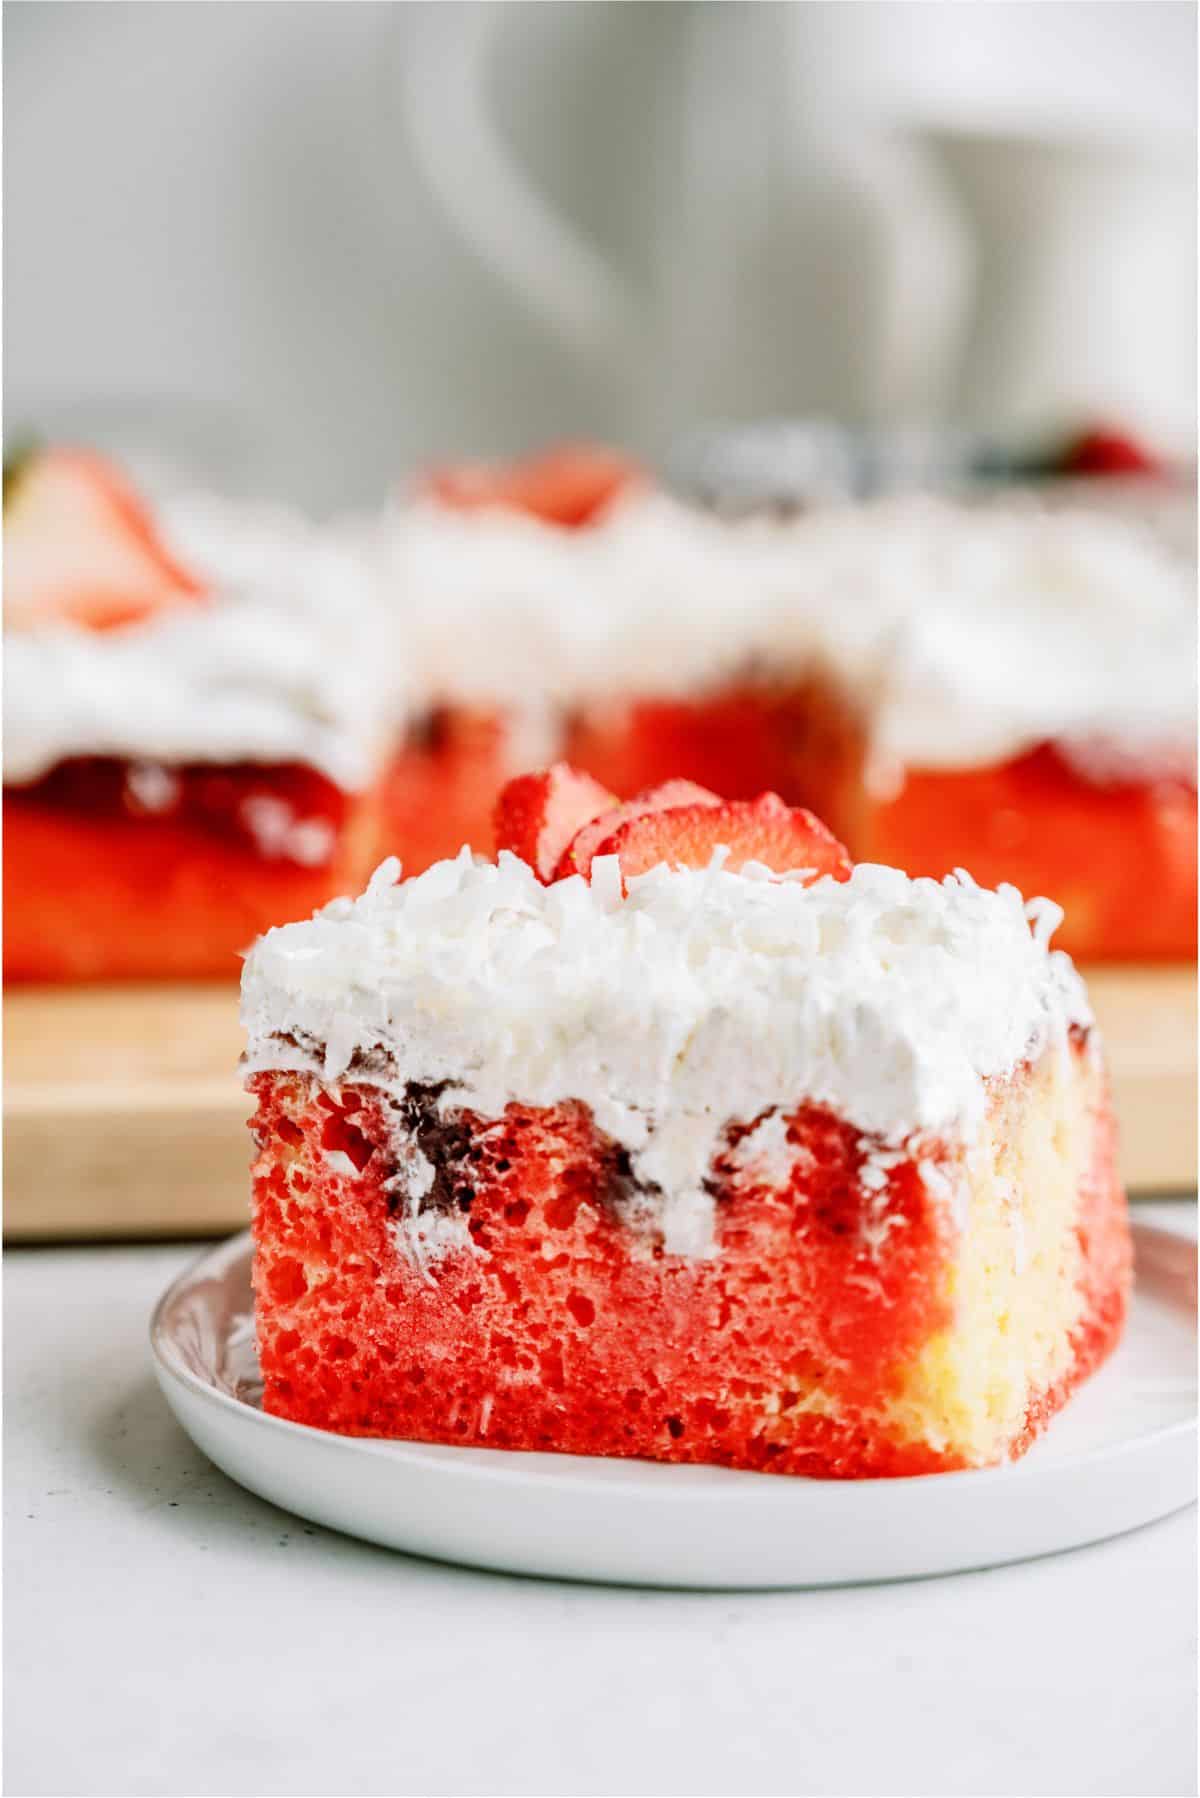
(124, 1114)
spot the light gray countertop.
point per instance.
(167, 1633)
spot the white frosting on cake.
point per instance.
(964, 634)
(969, 635)
(700, 999)
(500, 608)
(289, 658)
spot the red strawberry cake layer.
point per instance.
(180, 771)
(1115, 843)
(116, 869)
(806, 1172)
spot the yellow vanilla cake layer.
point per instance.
(1036, 1183)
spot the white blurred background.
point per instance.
(305, 246)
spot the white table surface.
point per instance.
(166, 1633)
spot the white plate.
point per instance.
(1122, 1454)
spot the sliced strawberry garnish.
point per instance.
(569, 485)
(784, 838)
(79, 545)
(537, 815)
(577, 857)
(1107, 452)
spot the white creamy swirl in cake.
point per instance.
(290, 658)
(701, 998)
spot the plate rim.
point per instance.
(517, 1464)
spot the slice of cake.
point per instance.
(807, 1171)
(198, 711)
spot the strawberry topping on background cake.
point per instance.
(570, 485)
(80, 546)
(1105, 451)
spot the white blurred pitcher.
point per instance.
(796, 262)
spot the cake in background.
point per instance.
(198, 711)
(996, 679)
(219, 715)
(1015, 694)
(717, 1151)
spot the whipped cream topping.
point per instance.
(499, 608)
(970, 635)
(964, 634)
(701, 999)
(288, 659)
